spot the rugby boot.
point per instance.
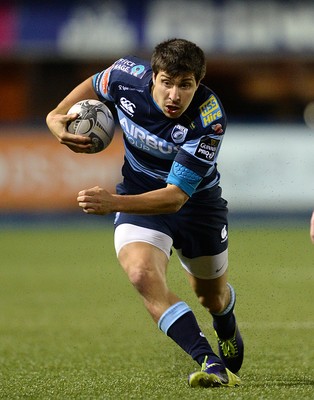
(231, 351)
(213, 375)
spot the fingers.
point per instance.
(58, 124)
(77, 143)
(96, 201)
(87, 206)
(71, 117)
(88, 201)
(74, 139)
(89, 192)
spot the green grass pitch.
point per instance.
(72, 327)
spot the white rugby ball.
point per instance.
(94, 120)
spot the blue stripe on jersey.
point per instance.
(144, 140)
(184, 178)
(210, 184)
(199, 167)
(138, 167)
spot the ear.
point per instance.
(154, 78)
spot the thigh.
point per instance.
(202, 231)
(127, 233)
(205, 267)
(203, 245)
(145, 264)
(144, 254)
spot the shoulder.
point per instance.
(131, 67)
(206, 111)
(208, 103)
(129, 71)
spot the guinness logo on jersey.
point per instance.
(207, 148)
(179, 133)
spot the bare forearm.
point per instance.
(83, 91)
(155, 202)
(58, 120)
(163, 201)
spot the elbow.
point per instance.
(178, 205)
(48, 118)
(178, 199)
(176, 208)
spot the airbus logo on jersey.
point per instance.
(146, 141)
(127, 106)
(179, 133)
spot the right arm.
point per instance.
(57, 120)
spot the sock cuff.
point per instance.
(231, 304)
(172, 314)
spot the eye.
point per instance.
(186, 85)
(166, 83)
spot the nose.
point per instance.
(174, 94)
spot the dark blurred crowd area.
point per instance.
(253, 88)
(258, 85)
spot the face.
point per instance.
(173, 95)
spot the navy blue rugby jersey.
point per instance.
(158, 149)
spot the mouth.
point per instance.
(172, 109)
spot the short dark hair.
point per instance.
(177, 56)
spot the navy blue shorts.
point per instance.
(200, 228)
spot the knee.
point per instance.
(144, 265)
(139, 276)
(139, 273)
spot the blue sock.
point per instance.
(224, 322)
(179, 323)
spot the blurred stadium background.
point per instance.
(260, 62)
(66, 309)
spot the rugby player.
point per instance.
(170, 196)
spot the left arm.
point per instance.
(57, 119)
(312, 228)
(162, 201)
